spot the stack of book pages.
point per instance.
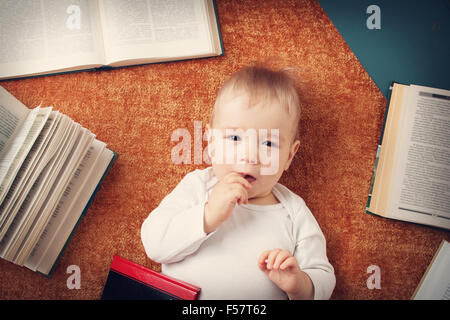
(50, 169)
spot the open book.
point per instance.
(50, 168)
(42, 37)
(411, 179)
(435, 283)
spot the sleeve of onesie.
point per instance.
(174, 229)
(310, 252)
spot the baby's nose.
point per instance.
(249, 154)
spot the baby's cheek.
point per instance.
(270, 162)
(221, 170)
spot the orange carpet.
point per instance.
(136, 109)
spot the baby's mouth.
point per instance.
(249, 178)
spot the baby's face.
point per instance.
(255, 142)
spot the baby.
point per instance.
(231, 228)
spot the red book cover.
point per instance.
(128, 280)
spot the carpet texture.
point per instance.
(136, 109)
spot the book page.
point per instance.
(21, 145)
(422, 174)
(82, 199)
(38, 36)
(65, 208)
(154, 30)
(213, 30)
(56, 139)
(44, 195)
(43, 216)
(29, 165)
(12, 114)
(384, 165)
(435, 284)
(34, 199)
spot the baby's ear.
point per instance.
(292, 151)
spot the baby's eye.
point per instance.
(269, 144)
(233, 137)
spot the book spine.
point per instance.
(171, 286)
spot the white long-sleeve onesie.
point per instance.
(224, 262)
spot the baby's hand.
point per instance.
(282, 268)
(227, 192)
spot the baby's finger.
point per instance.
(262, 260)
(235, 195)
(243, 194)
(244, 198)
(235, 177)
(241, 181)
(271, 258)
(289, 263)
(282, 255)
(230, 177)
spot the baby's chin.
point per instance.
(263, 199)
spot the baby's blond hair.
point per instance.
(264, 86)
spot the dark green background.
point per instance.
(412, 46)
